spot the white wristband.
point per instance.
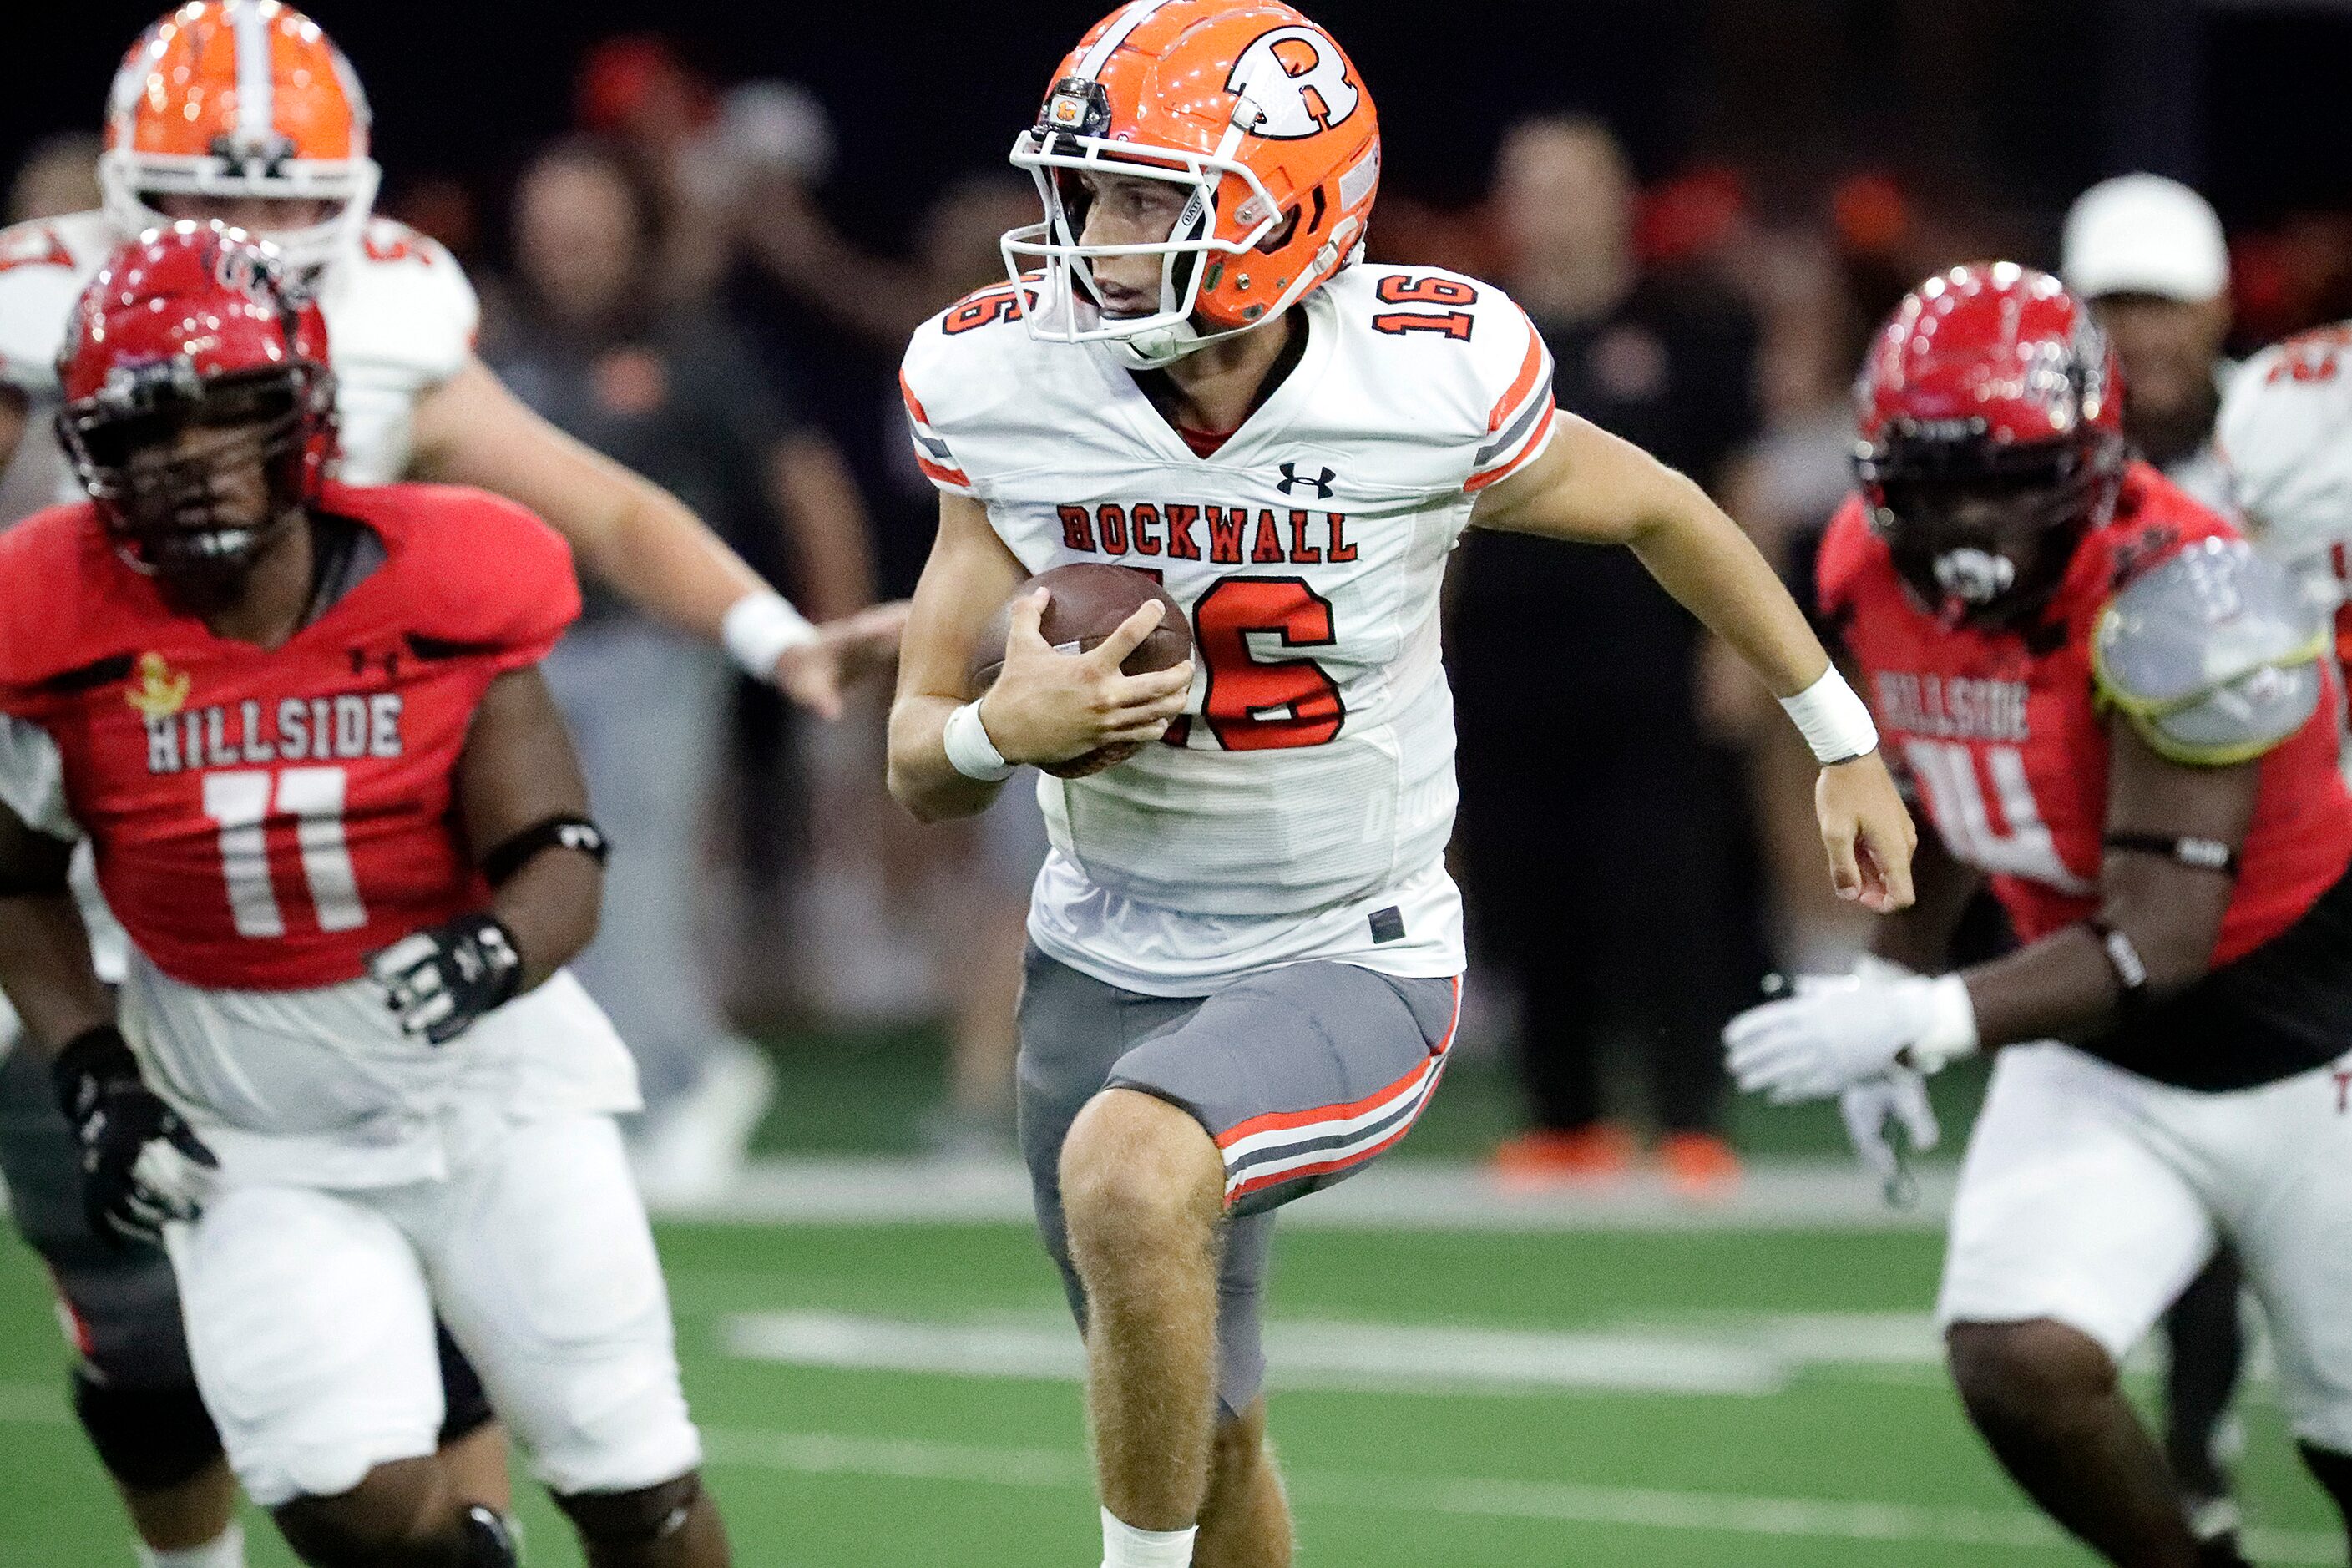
(970, 750)
(1834, 722)
(760, 628)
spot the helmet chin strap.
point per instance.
(1160, 347)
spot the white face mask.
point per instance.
(1975, 576)
(128, 182)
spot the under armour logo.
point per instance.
(1322, 481)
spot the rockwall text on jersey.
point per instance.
(1314, 767)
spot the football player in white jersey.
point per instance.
(2286, 439)
(245, 112)
(1246, 951)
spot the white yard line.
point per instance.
(1819, 1518)
(1358, 1358)
(1475, 1497)
(1778, 1194)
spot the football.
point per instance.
(1090, 601)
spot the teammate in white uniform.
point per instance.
(243, 109)
(2285, 438)
(1246, 948)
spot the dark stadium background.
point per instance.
(2014, 104)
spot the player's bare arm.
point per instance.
(1593, 488)
(523, 807)
(45, 966)
(2155, 905)
(2174, 830)
(1045, 707)
(627, 529)
(518, 774)
(142, 1166)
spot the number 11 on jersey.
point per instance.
(240, 803)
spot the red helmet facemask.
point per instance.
(1990, 417)
(199, 409)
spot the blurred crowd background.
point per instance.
(701, 250)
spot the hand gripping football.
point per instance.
(1089, 600)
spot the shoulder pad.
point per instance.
(2214, 654)
(43, 267)
(401, 299)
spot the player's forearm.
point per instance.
(2158, 924)
(45, 970)
(1715, 571)
(921, 778)
(551, 908)
(658, 555)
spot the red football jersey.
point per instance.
(262, 819)
(2003, 738)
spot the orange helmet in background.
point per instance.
(1247, 103)
(239, 98)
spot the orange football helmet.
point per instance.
(1247, 103)
(239, 98)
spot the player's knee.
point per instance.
(2030, 1374)
(645, 1517)
(1136, 1166)
(150, 1440)
(399, 1516)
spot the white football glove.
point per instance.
(1873, 1110)
(1838, 1031)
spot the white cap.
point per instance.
(2143, 234)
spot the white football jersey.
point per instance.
(2285, 436)
(1301, 807)
(400, 319)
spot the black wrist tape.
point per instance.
(2197, 854)
(564, 832)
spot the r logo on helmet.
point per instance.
(1297, 81)
(249, 270)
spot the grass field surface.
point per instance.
(903, 1393)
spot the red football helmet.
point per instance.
(190, 364)
(1991, 415)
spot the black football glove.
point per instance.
(443, 978)
(142, 1166)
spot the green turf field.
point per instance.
(1690, 1398)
